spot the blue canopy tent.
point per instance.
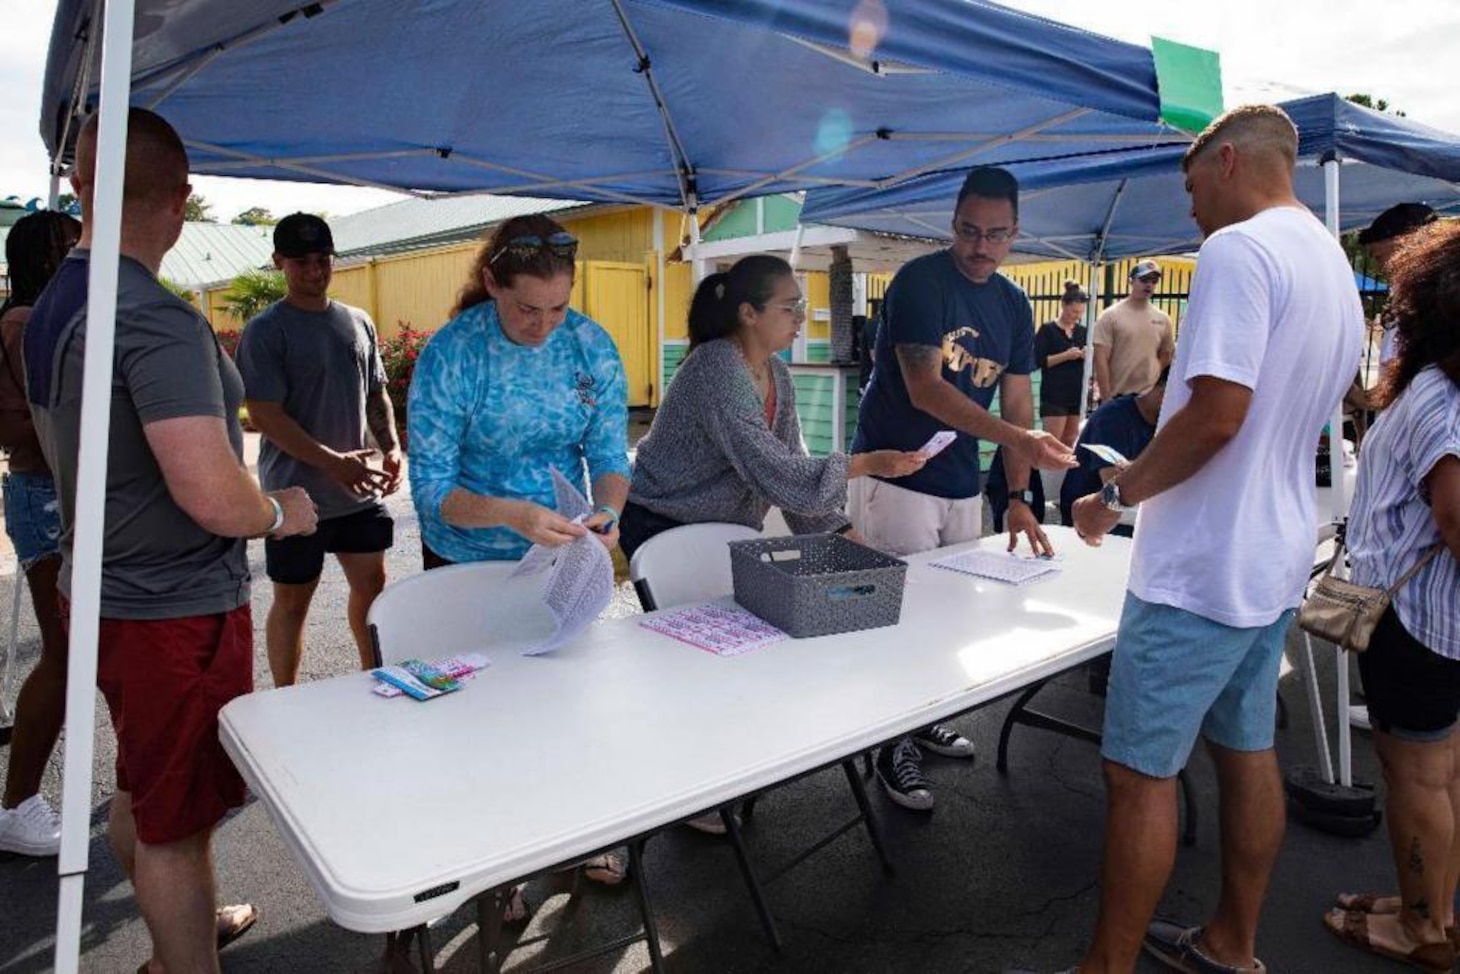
(668, 102)
(1128, 203)
(652, 101)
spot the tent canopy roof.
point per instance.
(1137, 197)
(557, 98)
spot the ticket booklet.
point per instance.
(417, 679)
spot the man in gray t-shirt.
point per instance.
(314, 385)
(175, 635)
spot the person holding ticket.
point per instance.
(515, 385)
(954, 331)
(1116, 433)
(726, 443)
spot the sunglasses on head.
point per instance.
(561, 244)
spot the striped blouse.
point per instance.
(1391, 525)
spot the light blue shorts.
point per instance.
(32, 517)
(1176, 674)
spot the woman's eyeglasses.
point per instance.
(561, 244)
(797, 307)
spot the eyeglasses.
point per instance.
(1150, 279)
(971, 234)
(797, 307)
(561, 244)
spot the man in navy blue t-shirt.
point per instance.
(953, 332)
(1126, 424)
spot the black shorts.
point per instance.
(1412, 693)
(300, 559)
(1054, 408)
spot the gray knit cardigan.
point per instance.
(709, 455)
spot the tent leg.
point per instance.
(105, 227)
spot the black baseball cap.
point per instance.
(1396, 222)
(300, 234)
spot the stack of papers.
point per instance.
(725, 630)
(1001, 566)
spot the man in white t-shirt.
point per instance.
(1223, 544)
(1133, 339)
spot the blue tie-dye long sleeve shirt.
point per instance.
(494, 418)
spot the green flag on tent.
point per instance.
(1190, 82)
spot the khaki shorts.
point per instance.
(904, 522)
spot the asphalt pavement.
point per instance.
(1002, 873)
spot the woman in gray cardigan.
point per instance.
(726, 443)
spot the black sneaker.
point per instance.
(900, 769)
(944, 740)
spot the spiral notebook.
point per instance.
(1000, 566)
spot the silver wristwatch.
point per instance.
(1110, 497)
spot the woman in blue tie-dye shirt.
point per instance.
(516, 384)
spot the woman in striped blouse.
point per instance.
(1406, 506)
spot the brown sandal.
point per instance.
(234, 921)
(1352, 928)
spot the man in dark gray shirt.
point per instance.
(176, 638)
(314, 382)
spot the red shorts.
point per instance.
(165, 681)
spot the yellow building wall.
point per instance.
(818, 298)
(620, 235)
(678, 289)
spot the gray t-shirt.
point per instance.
(321, 366)
(157, 563)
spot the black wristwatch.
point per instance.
(1025, 496)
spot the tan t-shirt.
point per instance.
(1137, 338)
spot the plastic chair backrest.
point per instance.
(690, 563)
(457, 609)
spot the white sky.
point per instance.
(1270, 51)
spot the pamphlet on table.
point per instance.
(1001, 566)
(725, 630)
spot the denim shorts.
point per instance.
(32, 517)
(1175, 675)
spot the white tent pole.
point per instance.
(699, 267)
(53, 196)
(659, 304)
(1339, 492)
(106, 226)
(1090, 316)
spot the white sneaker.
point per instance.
(1358, 716)
(30, 828)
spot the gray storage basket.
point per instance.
(817, 584)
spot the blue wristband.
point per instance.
(612, 518)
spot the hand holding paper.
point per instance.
(1106, 454)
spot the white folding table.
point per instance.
(401, 811)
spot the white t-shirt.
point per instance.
(1273, 307)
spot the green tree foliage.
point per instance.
(183, 292)
(68, 203)
(252, 292)
(1377, 104)
(256, 216)
(198, 210)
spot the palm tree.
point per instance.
(252, 292)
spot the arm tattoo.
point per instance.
(380, 416)
(919, 358)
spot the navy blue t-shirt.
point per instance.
(1117, 424)
(983, 331)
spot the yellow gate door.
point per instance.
(616, 295)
